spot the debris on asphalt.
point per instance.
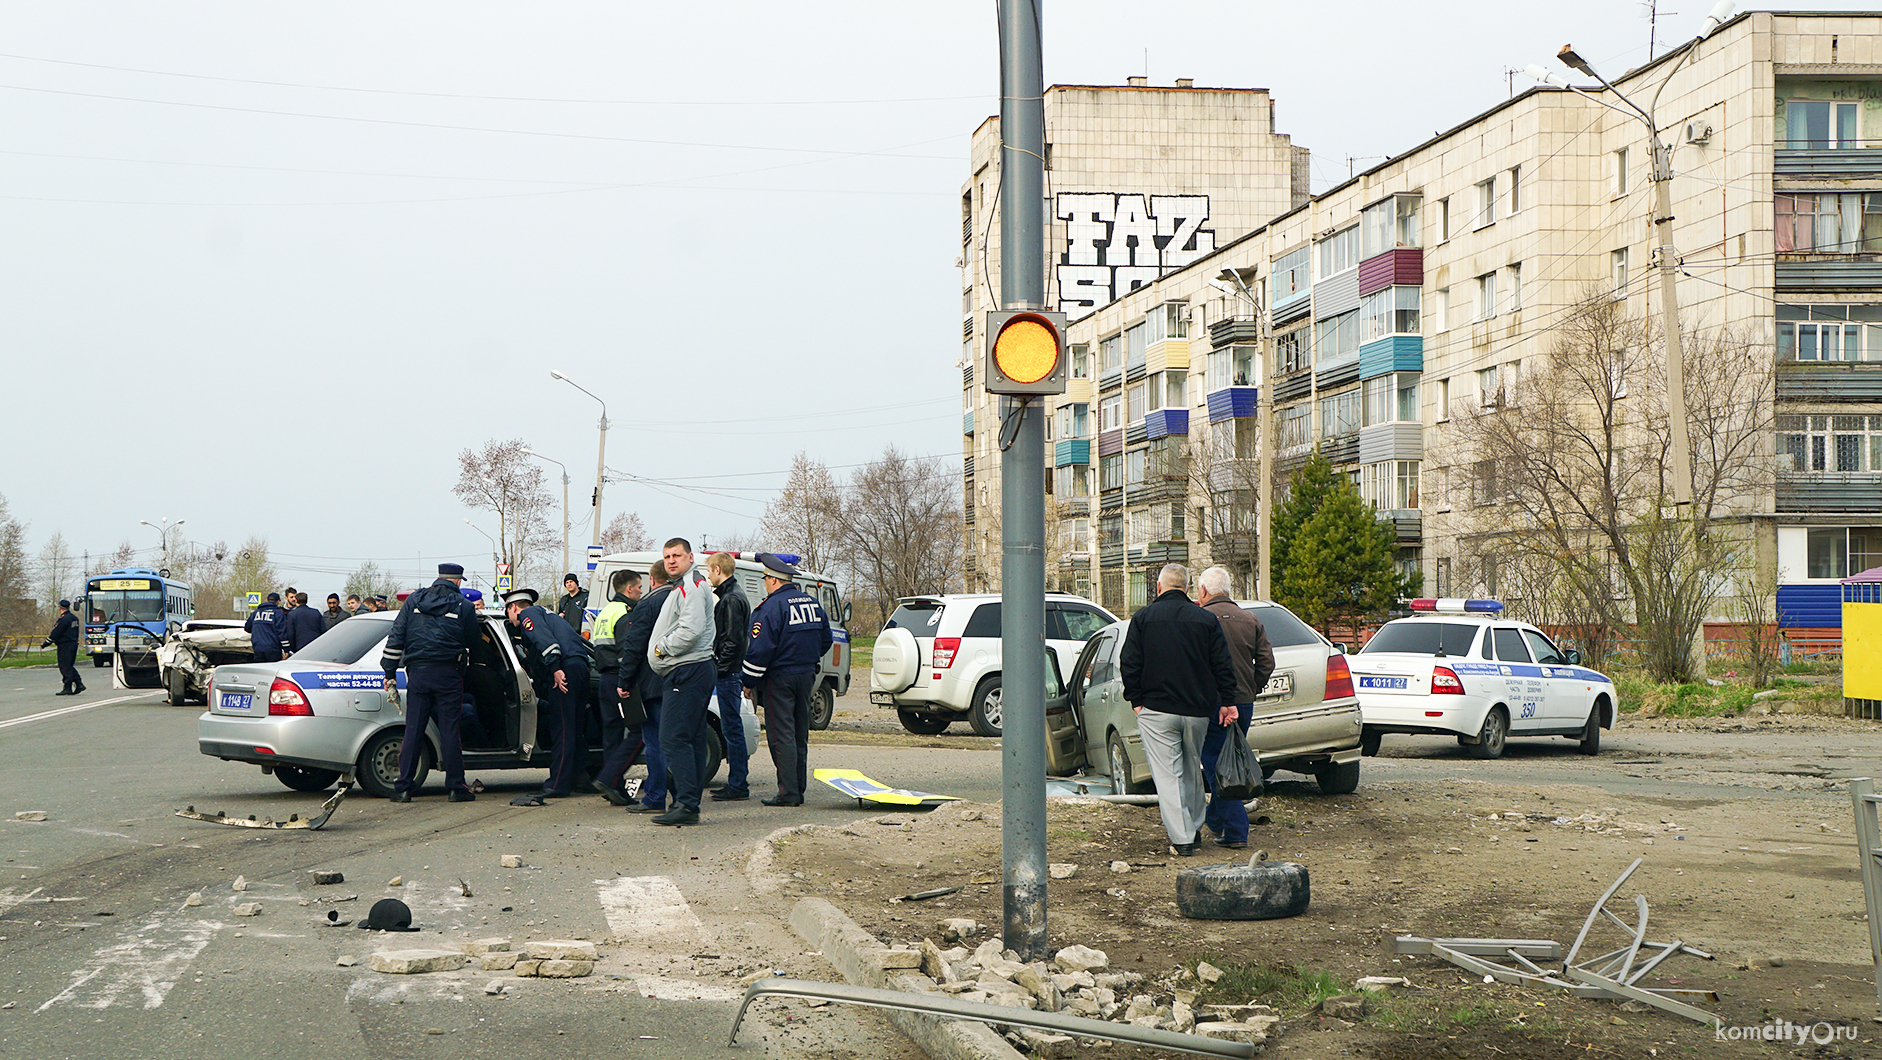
(333, 919)
(396, 881)
(240, 884)
(388, 914)
(560, 949)
(956, 928)
(29, 815)
(323, 877)
(248, 909)
(195, 898)
(347, 962)
(414, 962)
(463, 888)
(498, 961)
(510, 861)
(554, 968)
(495, 986)
(922, 896)
(1062, 870)
(482, 946)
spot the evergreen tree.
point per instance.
(1307, 489)
(1338, 558)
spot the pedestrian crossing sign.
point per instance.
(503, 583)
(253, 600)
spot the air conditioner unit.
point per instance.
(1698, 132)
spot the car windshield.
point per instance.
(1418, 637)
(345, 643)
(1283, 629)
(920, 617)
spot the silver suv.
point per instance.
(938, 658)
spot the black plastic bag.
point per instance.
(1237, 770)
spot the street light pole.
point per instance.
(527, 451)
(601, 452)
(495, 559)
(164, 534)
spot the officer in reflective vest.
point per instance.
(610, 622)
(789, 634)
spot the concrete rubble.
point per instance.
(323, 877)
(510, 861)
(195, 898)
(554, 969)
(248, 909)
(29, 815)
(240, 884)
(414, 962)
(560, 949)
(1062, 871)
(483, 946)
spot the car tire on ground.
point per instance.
(1119, 762)
(1265, 890)
(99, 662)
(301, 779)
(378, 766)
(823, 707)
(922, 723)
(1336, 779)
(987, 712)
(715, 754)
(1591, 732)
(176, 688)
(1493, 737)
(1369, 741)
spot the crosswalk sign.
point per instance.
(253, 601)
(503, 583)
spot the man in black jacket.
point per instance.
(636, 680)
(65, 637)
(731, 624)
(1177, 676)
(267, 628)
(432, 639)
(573, 606)
(304, 625)
(334, 614)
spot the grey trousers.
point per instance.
(1173, 743)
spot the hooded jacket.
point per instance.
(683, 632)
(436, 625)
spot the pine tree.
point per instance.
(1307, 490)
(1339, 559)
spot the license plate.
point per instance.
(1382, 682)
(1278, 685)
(882, 699)
(238, 700)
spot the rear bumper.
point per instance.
(1422, 715)
(316, 743)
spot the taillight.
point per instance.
(1444, 682)
(1339, 678)
(285, 699)
(945, 648)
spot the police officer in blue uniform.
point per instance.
(560, 658)
(789, 634)
(267, 628)
(432, 639)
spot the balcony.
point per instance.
(1232, 403)
(1341, 449)
(1394, 353)
(967, 376)
(1828, 381)
(1233, 331)
(1111, 443)
(1071, 452)
(1407, 524)
(1336, 372)
(1165, 422)
(1111, 555)
(1400, 440)
(1135, 432)
(1298, 385)
(1404, 267)
(1829, 272)
(1160, 552)
(1847, 491)
(1156, 488)
(1336, 294)
(1827, 164)
(967, 467)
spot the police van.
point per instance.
(833, 671)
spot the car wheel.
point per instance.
(715, 754)
(1121, 783)
(306, 779)
(823, 707)
(1492, 737)
(924, 724)
(986, 715)
(176, 689)
(99, 662)
(1369, 741)
(1338, 779)
(1591, 732)
(378, 770)
(1264, 890)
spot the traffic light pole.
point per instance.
(1022, 493)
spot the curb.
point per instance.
(859, 957)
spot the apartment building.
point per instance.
(1141, 180)
(1383, 307)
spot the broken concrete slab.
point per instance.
(1049, 1046)
(195, 899)
(324, 877)
(1120, 867)
(555, 968)
(240, 884)
(1081, 959)
(347, 962)
(414, 962)
(956, 928)
(500, 961)
(1207, 972)
(898, 959)
(396, 881)
(1062, 870)
(560, 949)
(248, 909)
(480, 947)
(1228, 1030)
(933, 965)
(495, 986)
(510, 861)
(29, 815)
(1345, 1007)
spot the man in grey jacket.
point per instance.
(680, 653)
(1253, 658)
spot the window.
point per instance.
(1486, 204)
(1829, 443)
(1295, 428)
(1134, 346)
(1110, 413)
(1390, 398)
(1389, 223)
(1168, 321)
(1080, 356)
(1153, 387)
(1838, 552)
(1829, 332)
(1134, 463)
(1484, 485)
(1073, 421)
(1516, 287)
(1486, 296)
(1516, 188)
(1817, 124)
(1137, 593)
(1406, 220)
(1443, 402)
(1110, 472)
(1072, 483)
(1336, 337)
(1081, 542)
(1110, 530)
(1408, 397)
(1134, 404)
(1110, 354)
(1442, 310)
(1292, 352)
(1176, 388)
(1340, 414)
(1443, 577)
(1620, 171)
(1390, 485)
(1337, 253)
(1829, 222)
(1444, 219)
(1391, 311)
(1290, 279)
(1490, 387)
(1617, 265)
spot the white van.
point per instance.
(833, 672)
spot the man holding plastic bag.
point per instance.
(1253, 658)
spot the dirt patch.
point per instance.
(1768, 884)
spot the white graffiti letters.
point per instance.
(1118, 242)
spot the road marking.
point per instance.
(71, 710)
(147, 960)
(8, 899)
(643, 907)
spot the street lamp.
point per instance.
(1264, 426)
(527, 451)
(164, 532)
(601, 452)
(494, 559)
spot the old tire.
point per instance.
(988, 712)
(1266, 890)
(378, 766)
(1369, 741)
(922, 723)
(1591, 733)
(1336, 779)
(1493, 737)
(306, 779)
(823, 707)
(176, 689)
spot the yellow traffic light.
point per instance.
(1025, 352)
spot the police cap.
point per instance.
(777, 566)
(450, 570)
(526, 597)
(274, 598)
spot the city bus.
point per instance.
(137, 605)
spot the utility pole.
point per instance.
(1022, 492)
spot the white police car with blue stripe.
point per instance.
(1459, 668)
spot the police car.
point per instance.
(1459, 668)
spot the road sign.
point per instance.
(503, 583)
(503, 568)
(253, 601)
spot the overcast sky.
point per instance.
(268, 268)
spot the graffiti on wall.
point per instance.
(1117, 242)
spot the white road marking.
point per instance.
(8, 899)
(43, 715)
(648, 907)
(146, 960)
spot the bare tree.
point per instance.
(220, 576)
(16, 614)
(56, 575)
(902, 529)
(501, 479)
(1225, 473)
(625, 533)
(1572, 472)
(368, 579)
(805, 518)
(124, 556)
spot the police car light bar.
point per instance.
(753, 556)
(1454, 606)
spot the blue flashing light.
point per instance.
(1454, 606)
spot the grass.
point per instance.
(1693, 700)
(862, 655)
(1296, 987)
(18, 658)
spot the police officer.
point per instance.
(64, 636)
(610, 622)
(267, 629)
(789, 634)
(560, 658)
(432, 639)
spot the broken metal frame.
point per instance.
(1079, 1026)
(1862, 795)
(293, 821)
(1614, 975)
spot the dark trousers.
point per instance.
(787, 729)
(571, 712)
(1227, 818)
(731, 692)
(614, 748)
(270, 656)
(68, 665)
(685, 689)
(433, 692)
(646, 740)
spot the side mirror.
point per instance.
(1573, 656)
(846, 613)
